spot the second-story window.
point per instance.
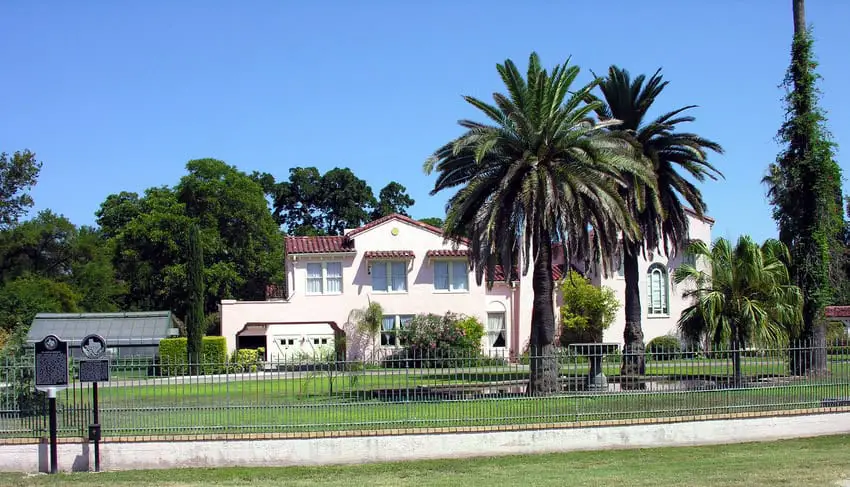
(389, 276)
(451, 275)
(324, 278)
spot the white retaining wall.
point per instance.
(347, 450)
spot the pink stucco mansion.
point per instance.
(406, 266)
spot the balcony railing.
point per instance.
(275, 292)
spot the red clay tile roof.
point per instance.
(837, 311)
(447, 253)
(318, 245)
(389, 254)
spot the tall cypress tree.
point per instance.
(195, 310)
(805, 191)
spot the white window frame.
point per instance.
(488, 331)
(450, 265)
(389, 268)
(664, 309)
(398, 321)
(324, 279)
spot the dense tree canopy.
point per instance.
(48, 264)
(18, 174)
(242, 246)
(311, 203)
(393, 198)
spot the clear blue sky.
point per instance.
(118, 96)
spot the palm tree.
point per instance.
(368, 322)
(542, 172)
(745, 298)
(658, 209)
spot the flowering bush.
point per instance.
(451, 331)
(431, 340)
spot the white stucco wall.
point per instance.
(655, 325)
(370, 449)
(421, 297)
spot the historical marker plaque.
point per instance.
(94, 370)
(51, 363)
(95, 367)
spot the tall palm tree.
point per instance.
(658, 209)
(542, 172)
(745, 298)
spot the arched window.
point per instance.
(657, 286)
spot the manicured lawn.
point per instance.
(803, 462)
(405, 398)
(272, 413)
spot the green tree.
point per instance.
(298, 201)
(587, 310)
(242, 244)
(195, 316)
(346, 200)
(433, 221)
(22, 298)
(393, 198)
(92, 273)
(804, 186)
(117, 211)
(18, 174)
(745, 297)
(542, 173)
(149, 253)
(659, 209)
(41, 246)
(50, 246)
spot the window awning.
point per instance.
(447, 253)
(388, 254)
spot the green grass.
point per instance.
(350, 402)
(802, 462)
(198, 414)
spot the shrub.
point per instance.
(244, 360)
(173, 360)
(431, 340)
(472, 332)
(665, 347)
(213, 354)
(172, 356)
(587, 310)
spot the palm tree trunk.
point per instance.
(799, 16)
(737, 344)
(544, 363)
(634, 363)
(808, 351)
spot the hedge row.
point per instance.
(173, 356)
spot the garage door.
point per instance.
(300, 342)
